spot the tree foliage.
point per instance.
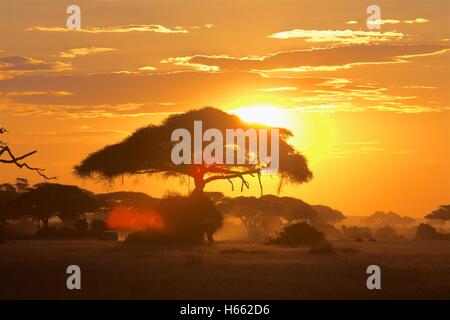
(47, 200)
(148, 151)
(441, 213)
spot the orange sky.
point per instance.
(369, 108)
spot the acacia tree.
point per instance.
(261, 216)
(47, 200)
(148, 151)
(10, 158)
(441, 213)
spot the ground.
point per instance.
(224, 270)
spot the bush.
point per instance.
(186, 220)
(300, 233)
(81, 226)
(356, 233)
(98, 227)
(386, 232)
(427, 232)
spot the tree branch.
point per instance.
(15, 160)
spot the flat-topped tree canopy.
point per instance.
(148, 151)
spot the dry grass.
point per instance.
(410, 269)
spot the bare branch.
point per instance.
(15, 160)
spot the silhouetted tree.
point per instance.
(356, 233)
(261, 216)
(427, 232)
(47, 200)
(328, 215)
(381, 219)
(386, 232)
(21, 184)
(186, 220)
(148, 152)
(98, 227)
(133, 201)
(441, 213)
(18, 160)
(7, 193)
(299, 233)
(81, 226)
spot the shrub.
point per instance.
(300, 233)
(98, 226)
(186, 220)
(427, 232)
(81, 226)
(356, 233)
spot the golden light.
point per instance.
(264, 114)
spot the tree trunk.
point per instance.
(45, 226)
(199, 186)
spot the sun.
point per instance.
(264, 114)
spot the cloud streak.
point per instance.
(339, 36)
(78, 52)
(155, 28)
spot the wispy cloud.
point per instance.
(278, 89)
(339, 36)
(187, 62)
(392, 21)
(35, 93)
(147, 68)
(25, 64)
(76, 52)
(324, 59)
(156, 28)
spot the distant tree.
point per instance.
(81, 226)
(47, 200)
(381, 219)
(356, 233)
(133, 201)
(328, 215)
(18, 160)
(427, 232)
(441, 213)
(21, 184)
(148, 152)
(7, 187)
(98, 227)
(186, 220)
(299, 233)
(7, 193)
(261, 216)
(386, 232)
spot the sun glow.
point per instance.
(263, 114)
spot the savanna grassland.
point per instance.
(224, 270)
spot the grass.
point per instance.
(224, 270)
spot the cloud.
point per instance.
(147, 68)
(187, 62)
(323, 59)
(156, 28)
(278, 89)
(392, 21)
(35, 93)
(25, 64)
(418, 20)
(76, 52)
(339, 36)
